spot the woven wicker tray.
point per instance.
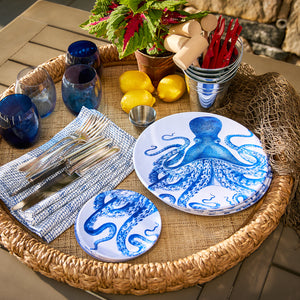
(191, 249)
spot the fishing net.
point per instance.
(269, 106)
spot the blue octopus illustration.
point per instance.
(189, 168)
(122, 203)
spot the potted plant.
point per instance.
(137, 25)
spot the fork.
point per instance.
(90, 129)
(73, 171)
(88, 148)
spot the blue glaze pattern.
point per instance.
(118, 225)
(52, 216)
(213, 165)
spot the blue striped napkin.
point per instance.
(52, 216)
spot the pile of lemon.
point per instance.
(138, 89)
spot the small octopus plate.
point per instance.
(117, 225)
(202, 163)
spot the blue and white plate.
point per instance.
(202, 163)
(117, 225)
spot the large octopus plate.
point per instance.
(117, 225)
(202, 163)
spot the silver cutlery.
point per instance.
(90, 129)
(81, 152)
(72, 171)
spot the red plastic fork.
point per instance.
(213, 47)
(228, 55)
(230, 33)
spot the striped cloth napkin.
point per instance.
(52, 216)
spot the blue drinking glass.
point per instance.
(38, 85)
(84, 52)
(19, 121)
(80, 87)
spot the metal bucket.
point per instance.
(208, 87)
(207, 96)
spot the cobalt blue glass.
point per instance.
(80, 87)
(38, 85)
(84, 52)
(19, 121)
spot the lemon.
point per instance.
(135, 80)
(171, 88)
(136, 97)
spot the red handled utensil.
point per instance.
(227, 56)
(213, 61)
(212, 49)
(230, 33)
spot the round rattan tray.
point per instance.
(144, 277)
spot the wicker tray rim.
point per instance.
(142, 279)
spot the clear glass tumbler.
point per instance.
(80, 87)
(38, 85)
(19, 121)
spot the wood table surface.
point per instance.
(46, 29)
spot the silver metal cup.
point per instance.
(208, 87)
(142, 115)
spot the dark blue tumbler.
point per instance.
(80, 87)
(19, 121)
(84, 52)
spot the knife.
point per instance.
(80, 150)
(72, 158)
(71, 173)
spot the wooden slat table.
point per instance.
(46, 29)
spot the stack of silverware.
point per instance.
(75, 155)
(51, 183)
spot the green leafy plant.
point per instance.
(137, 24)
